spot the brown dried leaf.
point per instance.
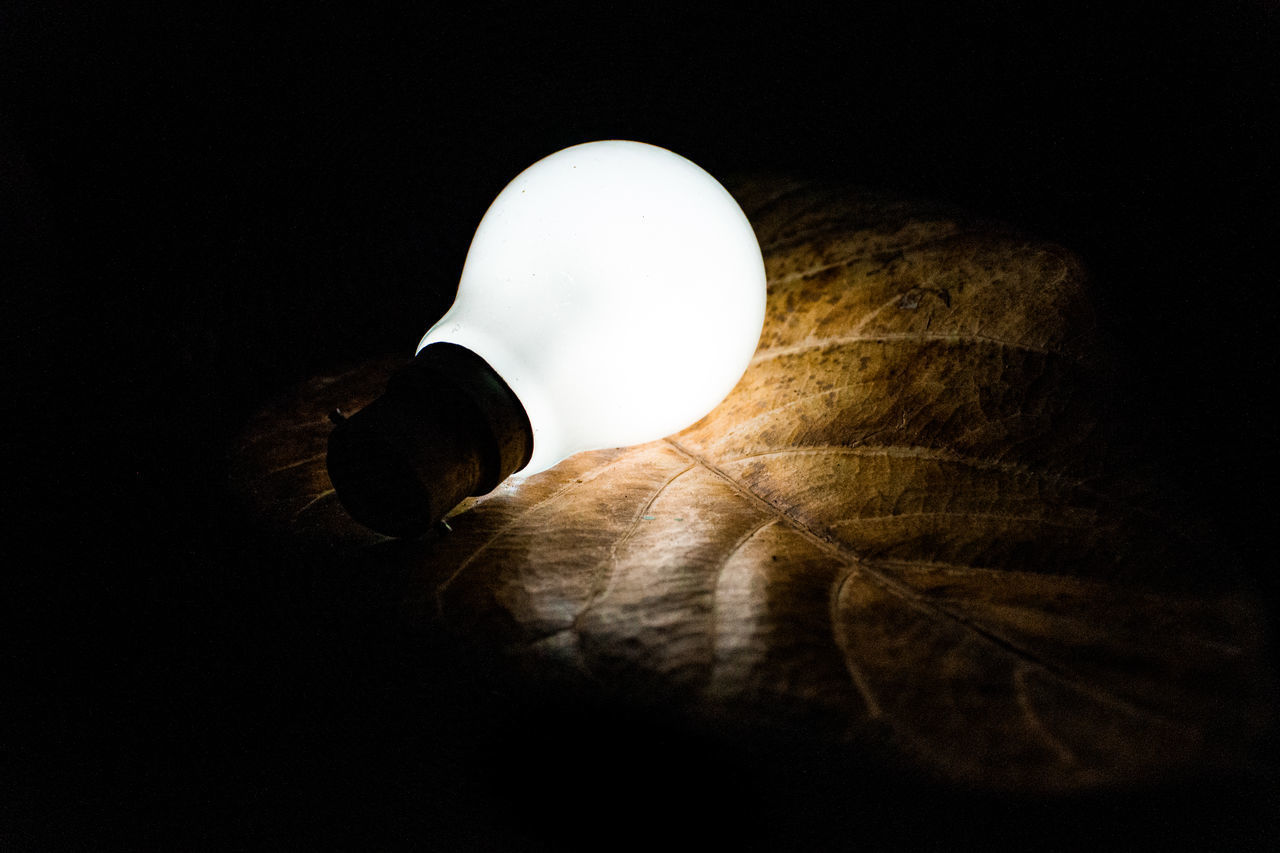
(916, 521)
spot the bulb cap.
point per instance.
(447, 427)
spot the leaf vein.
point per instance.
(309, 504)
(905, 451)
(772, 353)
(913, 598)
(871, 519)
(860, 681)
(604, 579)
(296, 464)
(715, 594)
(1065, 755)
(518, 518)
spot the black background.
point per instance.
(201, 207)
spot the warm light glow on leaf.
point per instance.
(920, 524)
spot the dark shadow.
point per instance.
(202, 207)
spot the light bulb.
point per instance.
(613, 294)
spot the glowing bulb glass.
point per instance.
(619, 291)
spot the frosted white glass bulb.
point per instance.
(613, 294)
(618, 289)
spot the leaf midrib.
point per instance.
(854, 564)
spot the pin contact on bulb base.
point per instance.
(446, 428)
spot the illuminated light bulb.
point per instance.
(613, 294)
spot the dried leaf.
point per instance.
(917, 525)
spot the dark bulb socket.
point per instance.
(446, 428)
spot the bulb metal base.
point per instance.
(447, 427)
